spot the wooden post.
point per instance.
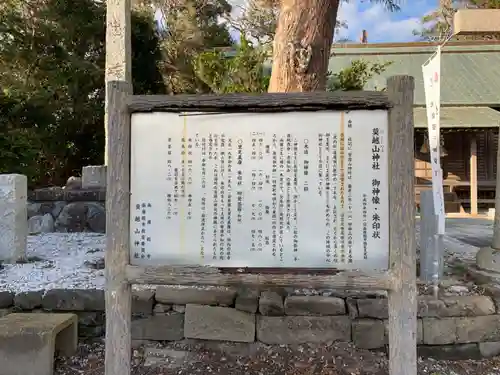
(403, 298)
(118, 51)
(118, 290)
(473, 175)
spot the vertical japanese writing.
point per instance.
(274, 197)
(203, 163)
(281, 199)
(141, 237)
(222, 195)
(334, 198)
(320, 164)
(281, 196)
(182, 177)
(328, 202)
(342, 191)
(215, 195)
(349, 195)
(365, 226)
(295, 202)
(376, 150)
(239, 180)
(288, 180)
(203, 224)
(176, 195)
(203, 215)
(306, 164)
(229, 197)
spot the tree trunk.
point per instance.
(301, 52)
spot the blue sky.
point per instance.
(381, 25)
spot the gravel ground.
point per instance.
(191, 358)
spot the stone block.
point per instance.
(161, 308)
(247, 300)
(489, 349)
(6, 299)
(461, 330)
(159, 328)
(192, 295)
(73, 218)
(373, 308)
(49, 194)
(439, 331)
(13, 214)
(74, 300)
(218, 323)
(369, 333)
(40, 224)
(449, 352)
(456, 306)
(166, 358)
(271, 304)
(478, 329)
(28, 342)
(352, 307)
(91, 318)
(142, 302)
(314, 305)
(303, 329)
(91, 331)
(28, 300)
(94, 177)
(179, 308)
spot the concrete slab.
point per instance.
(28, 342)
(476, 21)
(475, 232)
(13, 214)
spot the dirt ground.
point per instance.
(190, 357)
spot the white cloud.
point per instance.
(376, 20)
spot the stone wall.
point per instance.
(454, 327)
(66, 209)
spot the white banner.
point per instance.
(432, 85)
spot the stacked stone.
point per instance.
(451, 327)
(66, 210)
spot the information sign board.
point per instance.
(288, 189)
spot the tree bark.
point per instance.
(301, 52)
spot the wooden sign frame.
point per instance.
(399, 280)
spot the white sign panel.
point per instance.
(432, 86)
(297, 189)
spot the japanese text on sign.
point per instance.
(260, 190)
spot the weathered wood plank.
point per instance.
(267, 102)
(473, 175)
(403, 297)
(192, 275)
(118, 51)
(118, 290)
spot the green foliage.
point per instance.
(438, 24)
(191, 27)
(52, 56)
(356, 76)
(52, 78)
(243, 72)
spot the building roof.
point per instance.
(460, 117)
(470, 70)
